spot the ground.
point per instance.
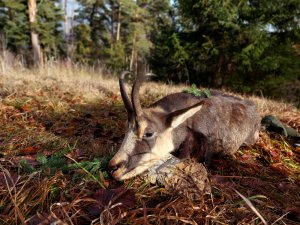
(59, 128)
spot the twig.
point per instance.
(249, 203)
(280, 218)
(13, 198)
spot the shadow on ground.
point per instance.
(33, 123)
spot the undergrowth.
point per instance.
(59, 131)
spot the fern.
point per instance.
(197, 92)
(58, 162)
(92, 169)
(24, 165)
(42, 159)
(207, 93)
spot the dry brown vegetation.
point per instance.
(60, 126)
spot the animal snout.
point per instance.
(115, 165)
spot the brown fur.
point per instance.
(223, 124)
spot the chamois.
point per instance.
(182, 124)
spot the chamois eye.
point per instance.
(148, 135)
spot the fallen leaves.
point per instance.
(45, 218)
(112, 201)
(7, 179)
(275, 154)
(281, 168)
(38, 123)
(28, 159)
(30, 150)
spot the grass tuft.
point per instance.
(60, 126)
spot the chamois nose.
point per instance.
(114, 165)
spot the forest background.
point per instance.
(248, 46)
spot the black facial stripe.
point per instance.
(129, 162)
(147, 142)
(143, 147)
(140, 153)
(133, 167)
(146, 149)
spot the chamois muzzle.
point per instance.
(116, 167)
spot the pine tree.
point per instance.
(38, 60)
(14, 27)
(84, 44)
(94, 15)
(119, 31)
(235, 42)
(49, 20)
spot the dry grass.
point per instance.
(76, 115)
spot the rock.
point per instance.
(185, 177)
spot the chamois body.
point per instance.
(223, 124)
(185, 125)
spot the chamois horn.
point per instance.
(125, 97)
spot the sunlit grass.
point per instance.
(60, 125)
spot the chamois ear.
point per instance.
(178, 117)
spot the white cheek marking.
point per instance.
(164, 143)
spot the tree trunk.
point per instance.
(133, 52)
(133, 60)
(92, 16)
(66, 29)
(72, 29)
(218, 78)
(119, 21)
(112, 18)
(36, 48)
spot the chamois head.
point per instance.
(149, 133)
